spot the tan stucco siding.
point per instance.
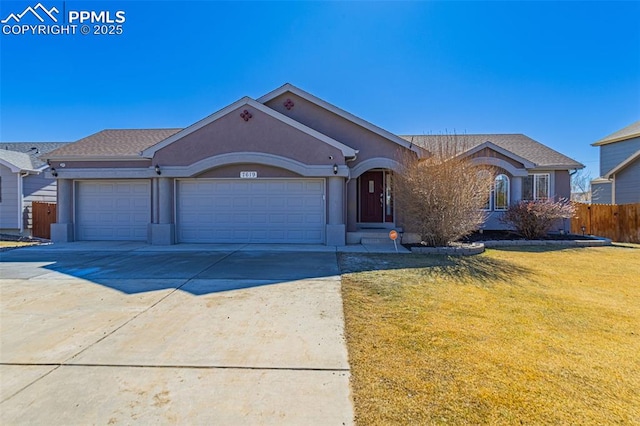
(262, 133)
(370, 144)
(489, 153)
(232, 171)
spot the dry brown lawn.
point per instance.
(523, 336)
(11, 244)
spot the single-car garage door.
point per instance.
(112, 210)
(251, 211)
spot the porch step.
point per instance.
(376, 241)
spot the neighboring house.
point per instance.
(284, 168)
(619, 181)
(22, 181)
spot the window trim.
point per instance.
(534, 190)
(507, 195)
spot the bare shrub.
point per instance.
(441, 197)
(534, 219)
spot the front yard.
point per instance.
(531, 336)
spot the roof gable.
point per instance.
(340, 112)
(246, 101)
(36, 150)
(16, 161)
(629, 132)
(490, 145)
(517, 146)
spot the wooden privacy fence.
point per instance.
(617, 222)
(44, 214)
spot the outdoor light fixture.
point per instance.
(335, 169)
(54, 173)
(158, 172)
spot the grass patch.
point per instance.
(12, 244)
(534, 336)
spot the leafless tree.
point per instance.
(581, 186)
(441, 197)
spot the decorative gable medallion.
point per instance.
(246, 115)
(288, 104)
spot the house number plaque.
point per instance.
(248, 175)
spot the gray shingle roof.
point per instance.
(18, 160)
(114, 143)
(35, 154)
(518, 144)
(631, 131)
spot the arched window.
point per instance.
(501, 192)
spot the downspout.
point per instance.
(345, 200)
(613, 189)
(21, 203)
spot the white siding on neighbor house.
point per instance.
(37, 188)
(628, 184)
(615, 153)
(10, 201)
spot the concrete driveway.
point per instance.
(120, 334)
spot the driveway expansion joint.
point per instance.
(176, 366)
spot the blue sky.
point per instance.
(563, 73)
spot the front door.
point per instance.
(371, 197)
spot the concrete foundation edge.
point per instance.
(162, 234)
(62, 232)
(336, 235)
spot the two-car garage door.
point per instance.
(207, 210)
(250, 211)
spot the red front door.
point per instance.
(371, 197)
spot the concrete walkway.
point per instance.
(122, 333)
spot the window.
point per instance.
(536, 187)
(501, 192)
(497, 194)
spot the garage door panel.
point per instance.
(113, 210)
(259, 211)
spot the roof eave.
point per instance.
(557, 167)
(607, 141)
(16, 168)
(76, 157)
(601, 180)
